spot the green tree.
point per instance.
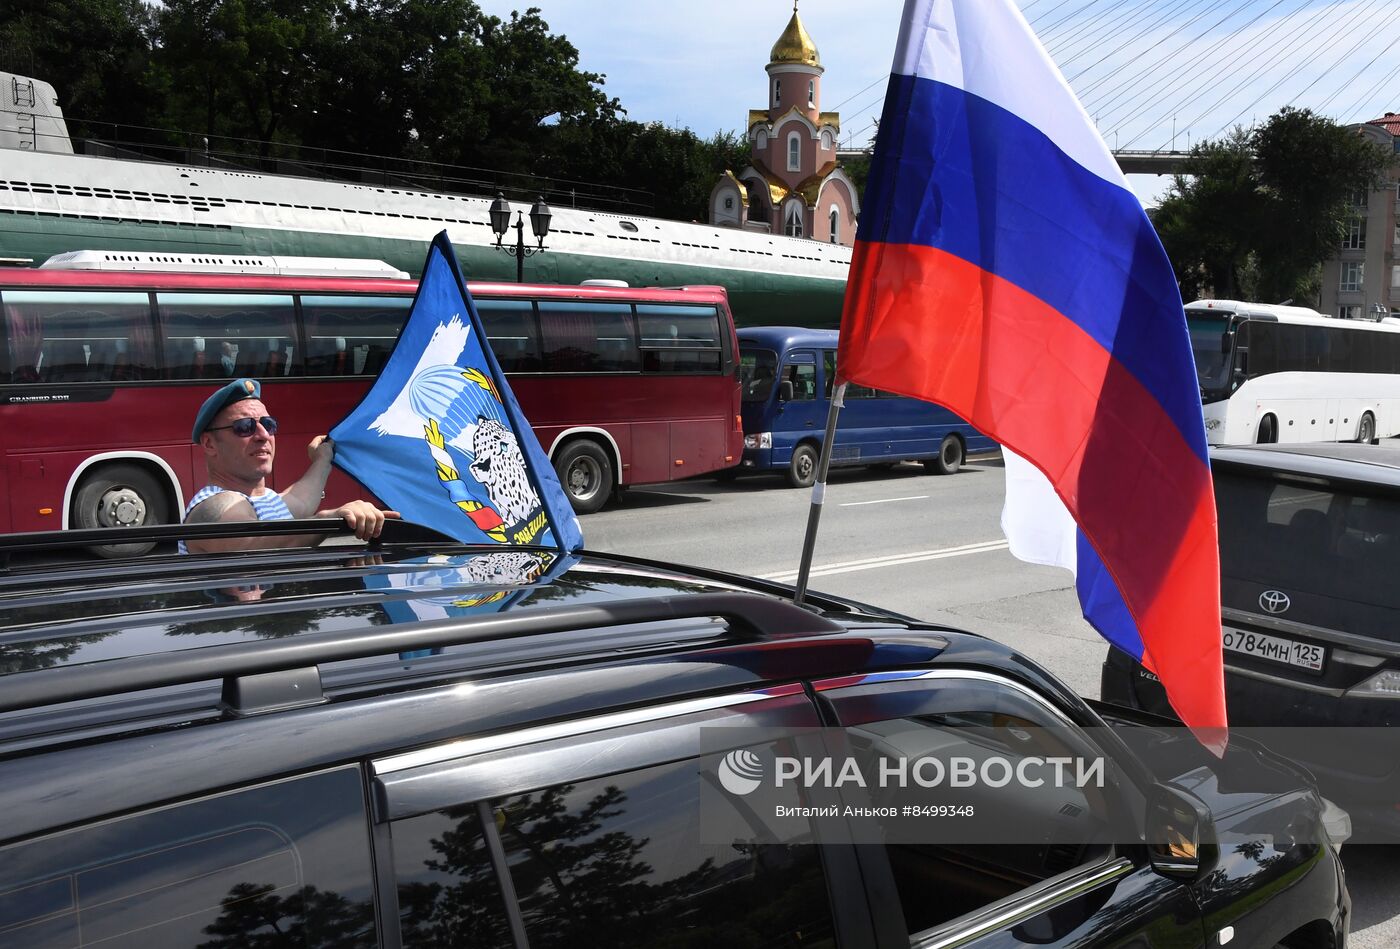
(246, 68)
(95, 53)
(481, 96)
(675, 166)
(1262, 209)
(1309, 169)
(1206, 220)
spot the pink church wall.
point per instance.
(795, 94)
(836, 194)
(809, 152)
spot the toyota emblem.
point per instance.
(1274, 601)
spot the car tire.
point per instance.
(950, 457)
(586, 473)
(119, 496)
(802, 470)
(1366, 429)
(1268, 431)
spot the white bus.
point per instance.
(1289, 374)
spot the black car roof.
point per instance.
(91, 644)
(1371, 464)
(154, 660)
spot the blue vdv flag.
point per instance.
(441, 439)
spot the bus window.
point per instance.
(1207, 332)
(1259, 339)
(852, 391)
(1315, 349)
(1292, 347)
(514, 334)
(351, 335)
(799, 383)
(679, 338)
(757, 370)
(588, 337)
(227, 335)
(60, 336)
(1340, 355)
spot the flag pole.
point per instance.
(814, 514)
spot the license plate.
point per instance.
(1276, 649)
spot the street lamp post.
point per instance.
(539, 225)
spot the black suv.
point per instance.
(1310, 596)
(421, 744)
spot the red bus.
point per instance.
(107, 357)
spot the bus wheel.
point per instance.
(802, 470)
(586, 473)
(950, 457)
(1268, 431)
(119, 496)
(1366, 433)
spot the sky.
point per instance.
(1153, 73)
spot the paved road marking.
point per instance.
(917, 497)
(895, 560)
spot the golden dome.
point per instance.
(795, 46)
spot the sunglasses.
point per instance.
(245, 427)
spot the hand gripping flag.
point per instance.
(1003, 269)
(440, 437)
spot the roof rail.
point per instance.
(395, 532)
(146, 261)
(282, 673)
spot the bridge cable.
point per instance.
(1371, 62)
(1216, 4)
(1329, 44)
(1169, 59)
(1067, 55)
(1302, 36)
(1194, 83)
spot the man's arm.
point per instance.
(232, 506)
(304, 497)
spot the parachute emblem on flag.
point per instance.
(458, 414)
(440, 438)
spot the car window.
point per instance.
(799, 383)
(585, 855)
(978, 719)
(1309, 538)
(757, 370)
(287, 862)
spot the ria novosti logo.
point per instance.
(741, 772)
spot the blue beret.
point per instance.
(235, 391)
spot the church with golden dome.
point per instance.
(793, 184)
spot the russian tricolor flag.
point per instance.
(1004, 269)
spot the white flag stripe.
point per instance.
(985, 47)
(1034, 519)
(896, 560)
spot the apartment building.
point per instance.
(1363, 280)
